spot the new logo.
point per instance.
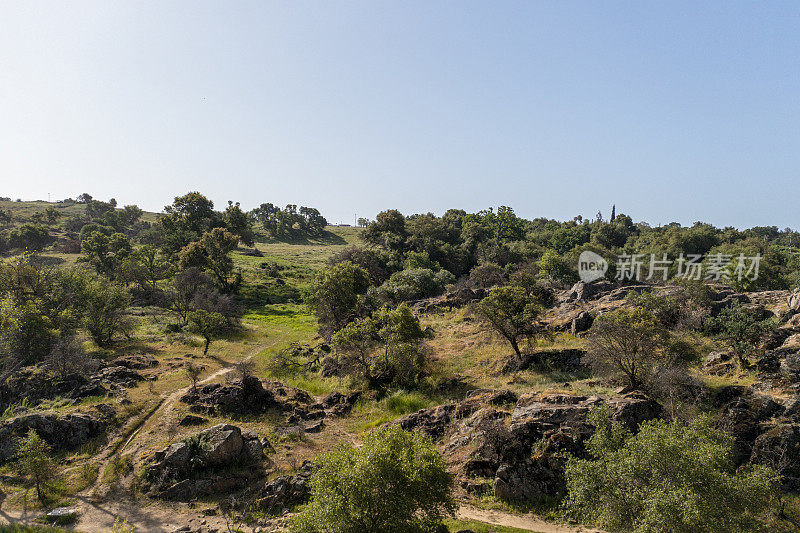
(591, 266)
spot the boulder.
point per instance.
(794, 301)
(65, 432)
(200, 465)
(245, 397)
(779, 448)
(285, 492)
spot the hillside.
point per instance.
(124, 416)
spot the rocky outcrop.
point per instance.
(34, 384)
(252, 397)
(564, 360)
(519, 443)
(245, 397)
(138, 361)
(779, 448)
(285, 492)
(201, 465)
(65, 432)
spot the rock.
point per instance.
(286, 492)
(338, 404)
(62, 515)
(585, 291)
(790, 367)
(564, 360)
(188, 469)
(794, 301)
(316, 427)
(779, 448)
(119, 375)
(224, 444)
(138, 361)
(530, 480)
(792, 342)
(60, 432)
(581, 323)
(431, 422)
(718, 362)
(192, 420)
(246, 397)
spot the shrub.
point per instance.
(396, 481)
(627, 342)
(668, 477)
(35, 462)
(414, 284)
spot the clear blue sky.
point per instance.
(671, 110)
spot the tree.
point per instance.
(388, 230)
(668, 477)
(396, 481)
(742, 328)
(337, 295)
(104, 305)
(626, 341)
(513, 312)
(212, 253)
(146, 266)
(555, 268)
(35, 462)
(189, 217)
(27, 335)
(193, 372)
(208, 325)
(238, 222)
(106, 252)
(383, 348)
(30, 237)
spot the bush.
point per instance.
(668, 477)
(396, 481)
(414, 284)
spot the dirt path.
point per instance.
(97, 516)
(527, 522)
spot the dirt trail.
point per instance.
(527, 522)
(96, 516)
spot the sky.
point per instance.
(672, 111)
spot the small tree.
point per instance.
(384, 348)
(207, 324)
(105, 305)
(512, 311)
(627, 342)
(337, 294)
(742, 328)
(668, 477)
(396, 481)
(193, 372)
(35, 462)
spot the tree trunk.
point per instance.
(205, 350)
(515, 345)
